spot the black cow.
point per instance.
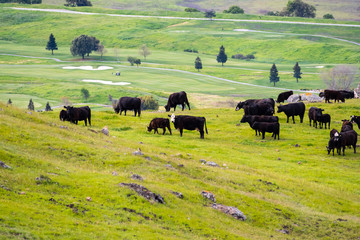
(333, 132)
(355, 119)
(315, 115)
(159, 123)
(324, 119)
(255, 101)
(182, 122)
(333, 142)
(333, 94)
(257, 106)
(347, 94)
(293, 109)
(272, 127)
(79, 114)
(346, 125)
(258, 118)
(348, 138)
(128, 103)
(284, 96)
(176, 99)
(64, 115)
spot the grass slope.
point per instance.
(278, 186)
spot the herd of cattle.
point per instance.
(257, 112)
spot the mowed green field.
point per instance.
(289, 185)
(288, 188)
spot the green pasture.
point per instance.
(277, 185)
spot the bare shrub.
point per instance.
(340, 77)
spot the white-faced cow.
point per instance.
(348, 138)
(159, 123)
(79, 114)
(293, 109)
(315, 115)
(355, 119)
(182, 122)
(128, 103)
(178, 98)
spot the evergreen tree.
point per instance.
(85, 93)
(297, 72)
(274, 74)
(48, 108)
(9, 102)
(31, 105)
(198, 64)
(137, 62)
(222, 57)
(51, 45)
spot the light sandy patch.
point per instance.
(316, 67)
(89, 68)
(106, 82)
(179, 24)
(211, 101)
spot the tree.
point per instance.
(340, 77)
(85, 93)
(189, 9)
(101, 50)
(328, 16)
(144, 51)
(131, 60)
(297, 72)
(198, 64)
(79, 3)
(47, 107)
(234, 10)
(94, 44)
(9, 102)
(274, 74)
(31, 105)
(222, 57)
(137, 62)
(51, 45)
(210, 14)
(83, 45)
(298, 8)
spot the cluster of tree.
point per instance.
(22, 1)
(274, 74)
(241, 56)
(189, 9)
(210, 14)
(328, 16)
(191, 50)
(134, 60)
(84, 45)
(234, 10)
(79, 3)
(296, 8)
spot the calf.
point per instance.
(325, 119)
(79, 114)
(272, 127)
(284, 96)
(346, 125)
(333, 142)
(182, 122)
(314, 115)
(64, 115)
(355, 119)
(256, 118)
(348, 138)
(159, 123)
(293, 109)
(333, 132)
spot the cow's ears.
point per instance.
(65, 107)
(169, 115)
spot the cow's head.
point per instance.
(244, 119)
(172, 118)
(167, 107)
(149, 128)
(280, 108)
(239, 106)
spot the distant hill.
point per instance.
(341, 10)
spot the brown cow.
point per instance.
(159, 123)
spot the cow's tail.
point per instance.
(89, 116)
(187, 102)
(205, 126)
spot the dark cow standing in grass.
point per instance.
(176, 99)
(182, 122)
(159, 123)
(315, 115)
(257, 106)
(324, 119)
(128, 103)
(284, 96)
(346, 125)
(293, 109)
(347, 94)
(64, 115)
(272, 127)
(333, 142)
(258, 118)
(79, 114)
(333, 94)
(348, 138)
(355, 119)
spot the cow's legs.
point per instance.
(164, 130)
(85, 122)
(287, 119)
(181, 132)
(183, 106)
(301, 118)
(263, 134)
(293, 117)
(125, 112)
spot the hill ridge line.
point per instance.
(184, 18)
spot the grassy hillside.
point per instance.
(279, 187)
(347, 10)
